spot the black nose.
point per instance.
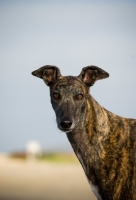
(65, 123)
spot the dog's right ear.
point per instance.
(50, 74)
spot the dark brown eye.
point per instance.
(56, 96)
(79, 96)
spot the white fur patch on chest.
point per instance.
(95, 190)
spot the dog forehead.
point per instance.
(68, 82)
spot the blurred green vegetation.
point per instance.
(59, 158)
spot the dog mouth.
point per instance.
(65, 130)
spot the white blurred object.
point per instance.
(33, 150)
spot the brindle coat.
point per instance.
(104, 143)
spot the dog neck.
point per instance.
(87, 137)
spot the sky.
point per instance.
(70, 35)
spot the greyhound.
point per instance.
(104, 143)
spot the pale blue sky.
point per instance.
(70, 35)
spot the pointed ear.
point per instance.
(48, 73)
(90, 74)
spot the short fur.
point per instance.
(104, 143)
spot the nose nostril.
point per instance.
(65, 123)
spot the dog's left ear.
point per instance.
(90, 74)
(50, 74)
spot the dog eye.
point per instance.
(79, 96)
(56, 96)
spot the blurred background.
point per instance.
(71, 35)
